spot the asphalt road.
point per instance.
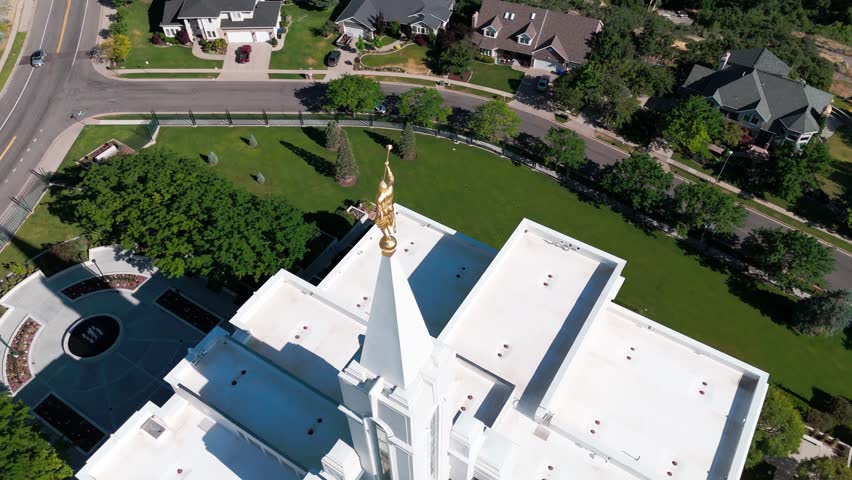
(39, 103)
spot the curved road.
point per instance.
(39, 103)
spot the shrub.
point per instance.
(157, 39)
(393, 29)
(252, 142)
(378, 42)
(273, 41)
(360, 44)
(421, 40)
(183, 37)
(259, 178)
(484, 58)
(121, 3)
(820, 421)
(212, 159)
(119, 23)
(326, 29)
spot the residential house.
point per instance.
(360, 17)
(534, 37)
(754, 87)
(237, 21)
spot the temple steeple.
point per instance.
(397, 343)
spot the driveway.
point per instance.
(254, 69)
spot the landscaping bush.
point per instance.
(378, 42)
(326, 29)
(183, 37)
(484, 58)
(214, 46)
(212, 159)
(820, 421)
(252, 142)
(157, 39)
(259, 178)
(421, 40)
(119, 23)
(273, 41)
(121, 3)
(360, 44)
(393, 29)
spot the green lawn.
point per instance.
(303, 49)
(412, 58)
(413, 81)
(170, 75)
(143, 17)
(501, 77)
(12, 59)
(485, 197)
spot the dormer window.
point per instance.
(523, 39)
(236, 16)
(490, 32)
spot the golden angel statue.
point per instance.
(385, 216)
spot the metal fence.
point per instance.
(23, 204)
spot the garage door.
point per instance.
(240, 37)
(261, 36)
(353, 31)
(545, 65)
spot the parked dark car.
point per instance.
(244, 54)
(542, 84)
(332, 58)
(37, 58)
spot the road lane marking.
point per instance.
(34, 140)
(30, 76)
(80, 37)
(64, 22)
(14, 169)
(12, 141)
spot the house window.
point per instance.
(418, 29)
(752, 119)
(486, 52)
(211, 34)
(490, 32)
(524, 40)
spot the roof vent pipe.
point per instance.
(724, 60)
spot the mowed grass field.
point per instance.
(302, 48)
(485, 197)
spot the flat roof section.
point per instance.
(267, 402)
(523, 316)
(479, 393)
(653, 402)
(295, 328)
(192, 447)
(442, 265)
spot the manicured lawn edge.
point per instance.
(208, 76)
(12, 59)
(411, 81)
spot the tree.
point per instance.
(321, 4)
(701, 207)
(252, 142)
(779, 429)
(692, 125)
(212, 159)
(791, 258)
(408, 143)
(638, 180)
(353, 94)
(119, 22)
(116, 48)
(730, 134)
(457, 57)
(187, 218)
(579, 87)
(656, 39)
(819, 420)
(394, 28)
(346, 168)
(841, 409)
(332, 135)
(564, 147)
(826, 313)
(796, 170)
(423, 106)
(259, 178)
(494, 121)
(24, 453)
(380, 25)
(823, 468)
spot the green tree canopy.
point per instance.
(638, 180)
(779, 429)
(796, 170)
(823, 468)
(564, 147)
(702, 207)
(692, 126)
(456, 57)
(656, 38)
(792, 258)
(494, 121)
(423, 106)
(116, 48)
(353, 94)
(187, 218)
(826, 313)
(24, 453)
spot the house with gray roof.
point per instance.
(754, 87)
(532, 36)
(360, 17)
(237, 21)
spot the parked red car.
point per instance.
(244, 54)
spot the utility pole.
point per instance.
(729, 153)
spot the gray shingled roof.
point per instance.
(430, 12)
(569, 35)
(170, 12)
(212, 8)
(781, 101)
(265, 15)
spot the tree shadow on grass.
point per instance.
(318, 163)
(382, 139)
(316, 134)
(332, 223)
(779, 308)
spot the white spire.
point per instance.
(397, 344)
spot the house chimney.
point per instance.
(475, 19)
(724, 61)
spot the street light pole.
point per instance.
(730, 152)
(14, 352)
(95, 262)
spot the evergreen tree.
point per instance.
(212, 159)
(408, 143)
(252, 142)
(332, 136)
(260, 178)
(346, 169)
(827, 313)
(792, 258)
